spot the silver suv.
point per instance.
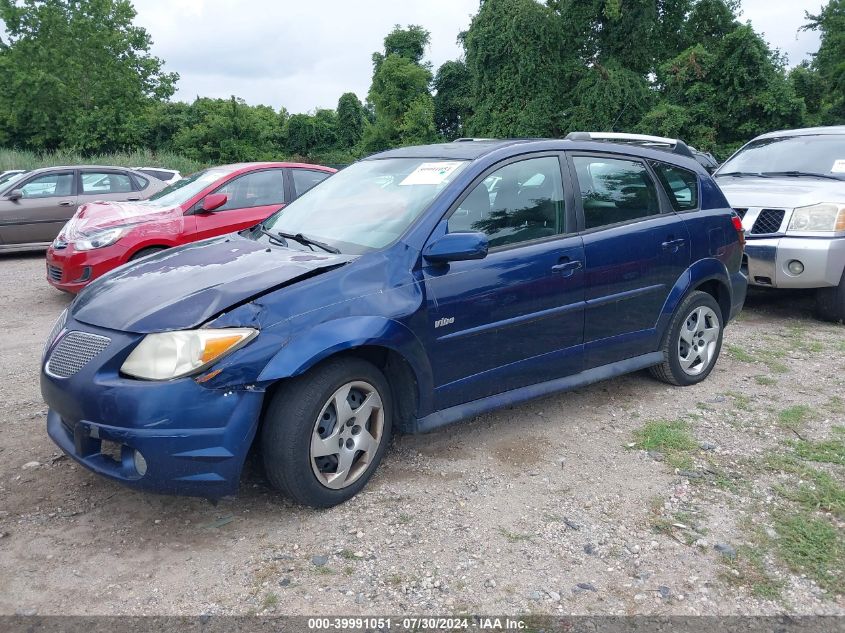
(789, 189)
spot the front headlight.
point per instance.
(827, 217)
(101, 239)
(168, 355)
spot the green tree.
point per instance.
(350, 120)
(76, 74)
(399, 80)
(452, 99)
(302, 134)
(829, 61)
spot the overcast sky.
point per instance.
(303, 55)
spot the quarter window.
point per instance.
(614, 190)
(49, 185)
(105, 182)
(520, 202)
(305, 179)
(258, 189)
(681, 185)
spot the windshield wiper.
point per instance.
(275, 239)
(297, 237)
(801, 174)
(740, 174)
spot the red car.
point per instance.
(104, 235)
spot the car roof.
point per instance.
(805, 131)
(472, 149)
(65, 167)
(233, 167)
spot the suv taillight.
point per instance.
(740, 232)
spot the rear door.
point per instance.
(253, 197)
(106, 185)
(515, 317)
(48, 201)
(635, 247)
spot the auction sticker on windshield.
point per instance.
(838, 167)
(431, 173)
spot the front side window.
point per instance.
(519, 202)
(368, 205)
(49, 185)
(105, 182)
(614, 190)
(183, 190)
(258, 189)
(305, 179)
(681, 185)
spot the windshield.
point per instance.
(8, 179)
(368, 205)
(822, 154)
(183, 190)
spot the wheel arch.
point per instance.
(708, 275)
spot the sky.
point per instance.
(303, 55)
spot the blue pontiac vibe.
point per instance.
(413, 289)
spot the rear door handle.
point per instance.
(673, 245)
(567, 267)
(66, 203)
(134, 198)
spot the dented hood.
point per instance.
(94, 217)
(183, 287)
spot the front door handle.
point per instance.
(673, 245)
(567, 267)
(66, 203)
(134, 198)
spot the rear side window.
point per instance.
(157, 173)
(614, 190)
(305, 179)
(681, 185)
(141, 182)
(105, 182)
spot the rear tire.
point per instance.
(693, 341)
(830, 302)
(317, 445)
(147, 251)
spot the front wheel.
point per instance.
(693, 341)
(325, 432)
(830, 302)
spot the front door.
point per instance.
(515, 317)
(49, 200)
(253, 197)
(635, 248)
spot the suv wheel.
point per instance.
(830, 302)
(693, 341)
(325, 432)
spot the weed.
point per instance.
(740, 399)
(794, 416)
(831, 451)
(823, 493)
(766, 381)
(514, 537)
(270, 600)
(750, 571)
(738, 353)
(812, 545)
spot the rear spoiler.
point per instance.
(676, 146)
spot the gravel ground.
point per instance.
(573, 504)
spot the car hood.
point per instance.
(93, 217)
(781, 193)
(184, 287)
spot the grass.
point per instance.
(794, 416)
(348, 554)
(740, 400)
(270, 601)
(813, 546)
(750, 570)
(738, 353)
(514, 537)
(822, 493)
(768, 358)
(670, 437)
(21, 159)
(830, 451)
(766, 381)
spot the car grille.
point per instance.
(741, 212)
(73, 352)
(54, 272)
(768, 221)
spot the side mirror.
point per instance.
(213, 201)
(14, 195)
(454, 247)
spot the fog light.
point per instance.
(795, 267)
(140, 463)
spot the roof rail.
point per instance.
(676, 146)
(466, 139)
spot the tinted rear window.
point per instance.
(681, 185)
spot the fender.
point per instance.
(328, 338)
(699, 272)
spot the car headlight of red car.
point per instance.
(168, 355)
(100, 239)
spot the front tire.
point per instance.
(830, 302)
(326, 431)
(693, 341)
(147, 251)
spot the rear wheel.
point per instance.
(693, 341)
(325, 432)
(146, 251)
(830, 302)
